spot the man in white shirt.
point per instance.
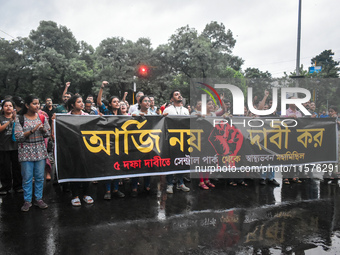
(176, 108)
(135, 106)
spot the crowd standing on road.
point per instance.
(26, 138)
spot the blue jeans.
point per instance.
(30, 169)
(115, 185)
(170, 178)
(134, 182)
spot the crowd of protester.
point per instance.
(26, 139)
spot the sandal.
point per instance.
(209, 184)
(88, 200)
(244, 184)
(286, 181)
(232, 184)
(297, 180)
(76, 202)
(203, 186)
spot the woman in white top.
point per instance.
(143, 109)
(75, 106)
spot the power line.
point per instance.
(286, 61)
(7, 34)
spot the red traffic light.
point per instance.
(143, 70)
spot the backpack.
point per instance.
(21, 121)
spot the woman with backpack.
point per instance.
(30, 131)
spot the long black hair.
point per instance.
(28, 100)
(141, 100)
(72, 101)
(110, 105)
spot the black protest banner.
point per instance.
(109, 147)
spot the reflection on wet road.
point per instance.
(290, 219)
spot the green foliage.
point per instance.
(51, 56)
(252, 73)
(324, 86)
(329, 66)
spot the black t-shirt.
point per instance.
(6, 143)
(49, 113)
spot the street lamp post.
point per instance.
(298, 42)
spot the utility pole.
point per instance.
(298, 42)
(297, 75)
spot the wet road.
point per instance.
(290, 219)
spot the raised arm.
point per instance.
(124, 97)
(66, 88)
(100, 94)
(263, 102)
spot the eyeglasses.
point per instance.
(146, 101)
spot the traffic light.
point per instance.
(143, 71)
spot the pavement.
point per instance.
(258, 219)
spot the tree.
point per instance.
(49, 35)
(117, 61)
(252, 73)
(54, 58)
(204, 55)
(15, 77)
(329, 66)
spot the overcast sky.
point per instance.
(265, 30)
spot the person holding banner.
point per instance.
(176, 108)
(123, 108)
(75, 106)
(292, 112)
(113, 109)
(143, 109)
(205, 183)
(30, 132)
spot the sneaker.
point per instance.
(170, 189)
(183, 187)
(41, 204)
(263, 182)
(274, 182)
(118, 194)
(26, 206)
(107, 196)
